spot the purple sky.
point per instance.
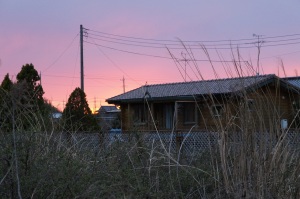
(41, 33)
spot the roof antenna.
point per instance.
(147, 92)
(259, 45)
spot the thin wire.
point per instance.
(273, 41)
(284, 44)
(61, 54)
(215, 46)
(113, 62)
(194, 41)
(284, 54)
(71, 77)
(119, 67)
(75, 65)
(156, 56)
(125, 51)
(161, 45)
(280, 36)
(178, 42)
(101, 78)
(164, 40)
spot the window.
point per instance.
(248, 105)
(189, 113)
(139, 115)
(217, 110)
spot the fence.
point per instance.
(186, 142)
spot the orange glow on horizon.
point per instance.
(53, 48)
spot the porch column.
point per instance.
(128, 117)
(152, 122)
(196, 114)
(175, 115)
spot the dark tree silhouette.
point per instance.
(77, 115)
(7, 84)
(5, 104)
(28, 103)
(33, 93)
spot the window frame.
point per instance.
(139, 114)
(189, 112)
(217, 112)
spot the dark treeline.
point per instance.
(23, 107)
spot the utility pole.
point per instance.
(81, 58)
(123, 84)
(259, 44)
(40, 78)
(94, 104)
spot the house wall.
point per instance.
(182, 122)
(269, 105)
(209, 121)
(124, 116)
(158, 114)
(131, 114)
(272, 104)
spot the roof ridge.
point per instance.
(210, 80)
(292, 77)
(144, 89)
(125, 92)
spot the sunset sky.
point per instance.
(130, 39)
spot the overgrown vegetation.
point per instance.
(37, 162)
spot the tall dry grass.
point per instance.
(39, 162)
(255, 158)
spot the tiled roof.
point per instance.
(108, 108)
(295, 81)
(217, 86)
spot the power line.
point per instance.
(114, 79)
(170, 46)
(199, 46)
(165, 40)
(154, 41)
(292, 39)
(113, 63)
(107, 57)
(284, 44)
(175, 43)
(289, 53)
(58, 58)
(75, 65)
(140, 42)
(125, 51)
(156, 56)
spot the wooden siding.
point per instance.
(269, 105)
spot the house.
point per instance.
(261, 102)
(108, 116)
